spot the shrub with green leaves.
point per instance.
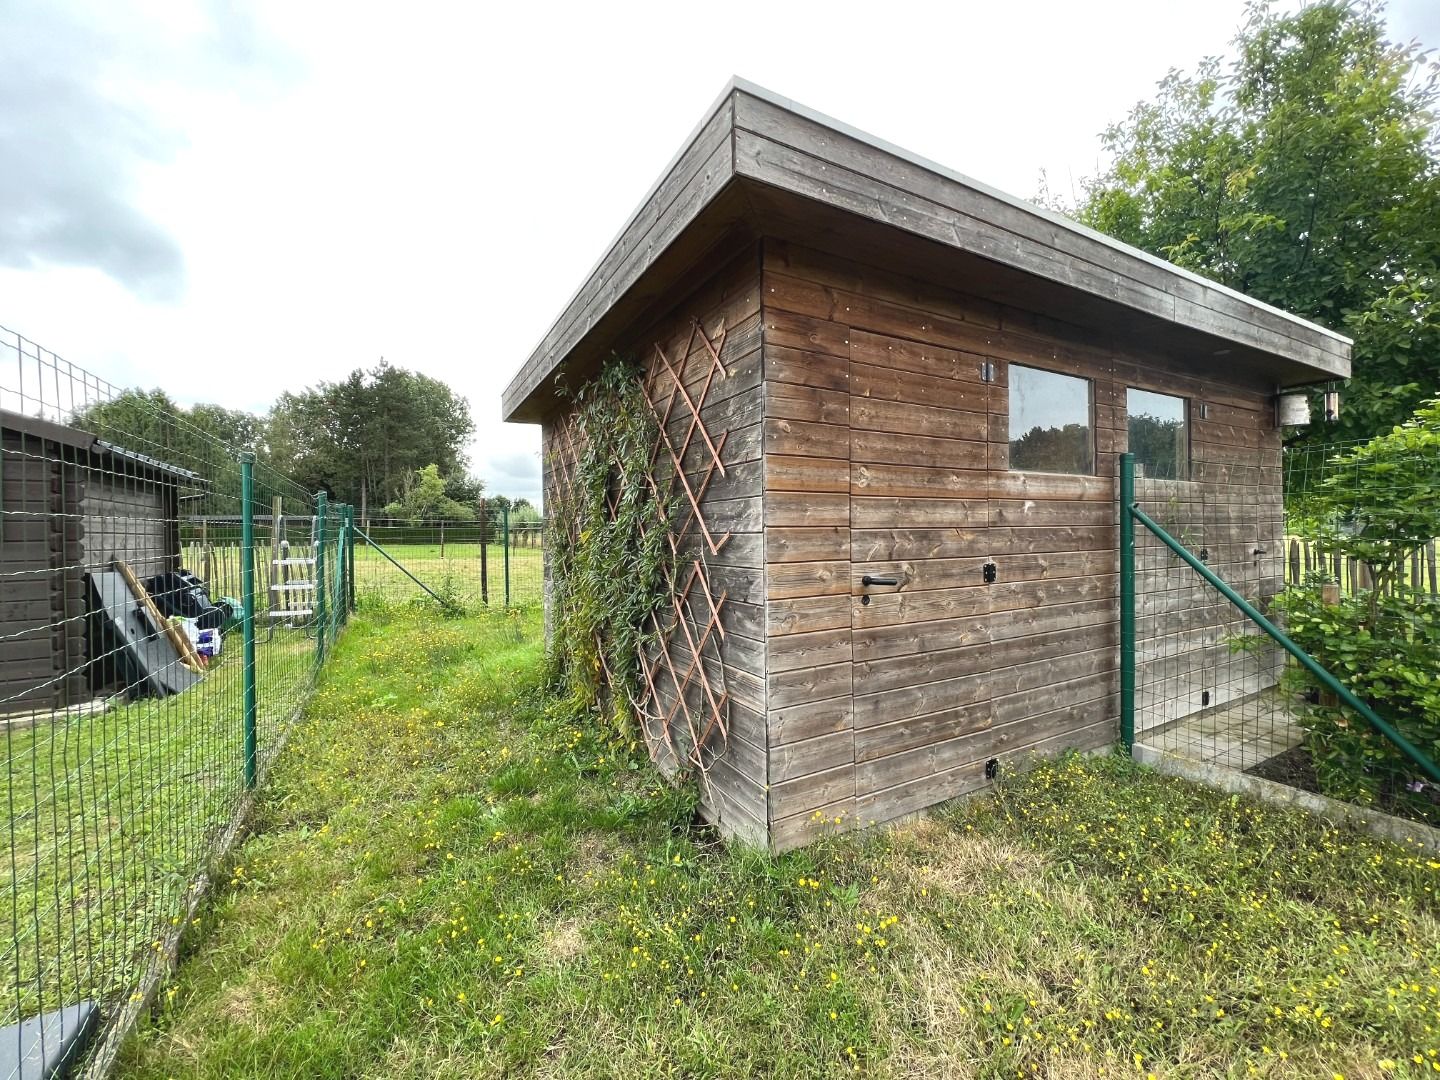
(1379, 504)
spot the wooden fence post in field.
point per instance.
(207, 556)
(275, 577)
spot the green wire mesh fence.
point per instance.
(151, 663)
(1341, 563)
(497, 559)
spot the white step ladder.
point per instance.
(283, 588)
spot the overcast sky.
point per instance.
(229, 200)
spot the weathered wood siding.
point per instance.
(130, 517)
(886, 453)
(42, 589)
(734, 793)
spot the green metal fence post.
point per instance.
(1127, 601)
(484, 544)
(247, 602)
(337, 577)
(321, 508)
(505, 520)
(341, 596)
(350, 562)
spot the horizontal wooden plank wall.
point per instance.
(733, 796)
(42, 565)
(810, 695)
(943, 672)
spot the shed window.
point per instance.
(1050, 422)
(1159, 434)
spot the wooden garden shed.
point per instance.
(70, 503)
(898, 397)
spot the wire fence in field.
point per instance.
(1345, 568)
(497, 560)
(149, 671)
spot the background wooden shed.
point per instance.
(69, 503)
(872, 313)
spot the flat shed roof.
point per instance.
(776, 152)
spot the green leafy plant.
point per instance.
(424, 499)
(1378, 504)
(611, 563)
(453, 601)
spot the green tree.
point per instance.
(1158, 446)
(364, 437)
(466, 489)
(424, 499)
(1306, 174)
(1053, 449)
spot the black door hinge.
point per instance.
(991, 571)
(987, 370)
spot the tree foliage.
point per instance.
(363, 438)
(465, 489)
(150, 422)
(202, 438)
(1304, 173)
(1159, 446)
(424, 499)
(1066, 449)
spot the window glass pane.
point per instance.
(1159, 434)
(1050, 422)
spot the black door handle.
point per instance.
(868, 580)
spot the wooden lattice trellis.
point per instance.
(684, 703)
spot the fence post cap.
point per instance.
(247, 457)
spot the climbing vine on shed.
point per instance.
(611, 564)
(637, 621)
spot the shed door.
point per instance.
(919, 513)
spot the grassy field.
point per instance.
(111, 815)
(456, 574)
(452, 877)
(453, 571)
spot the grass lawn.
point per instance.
(454, 574)
(453, 571)
(111, 815)
(452, 878)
